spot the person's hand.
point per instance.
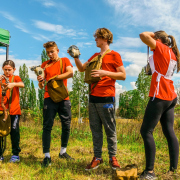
(41, 80)
(99, 73)
(1, 78)
(10, 85)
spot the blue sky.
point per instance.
(34, 22)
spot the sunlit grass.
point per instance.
(130, 151)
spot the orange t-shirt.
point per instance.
(54, 70)
(106, 86)
(15, 106)
(161, 58)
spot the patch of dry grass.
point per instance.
(130, 151)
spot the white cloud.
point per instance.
(59, 29)
(49, 3)
(124, 42)
(83, 44)
(133, 85)
(137, 58)
(17, 22)
(159, 15)
(133, 70)
(41, 37)
(58, 5)
(2, 51)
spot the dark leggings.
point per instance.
(164, 111)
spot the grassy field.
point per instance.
(130, 151)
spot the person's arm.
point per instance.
(148, 39)
(15, 84)
(66, 75)
(120, 73)
(81, 67)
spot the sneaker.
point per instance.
(113, 163)
(46, 162)
(94, 164)
(65, 156)
(1, 158)
(147, 175)
(14, 159)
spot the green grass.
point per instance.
(130, 151)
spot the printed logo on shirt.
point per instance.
(108, 106)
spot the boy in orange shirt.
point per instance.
(15, 111)
(102, 98)
(63, 108)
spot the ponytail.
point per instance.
(174, 47)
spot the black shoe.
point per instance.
(65, 156)
(147, 175)
(46, 162)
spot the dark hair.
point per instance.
(9, 62)
(50, 44)
(170, 41)
(104, 33)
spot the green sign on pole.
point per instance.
(4, 37)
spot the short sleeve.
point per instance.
(159, 48)
(117, 60)
(17, 79)
(67, 62)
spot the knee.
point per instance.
(143, 132)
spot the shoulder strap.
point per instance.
(104, 54)
(61, 65)
(11, 92)
(61, 69)
(101, 57)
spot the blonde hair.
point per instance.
(9, 62)
(170, 41)
(50, 44)
(104, 34)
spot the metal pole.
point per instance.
(7, 53)
(79, 105)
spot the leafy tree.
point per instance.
(143, 86)
(24, 92)
(32, 97)
(132, 103)
(79, 95)
(44, 57)
(129, 104)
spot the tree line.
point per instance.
(132, 103)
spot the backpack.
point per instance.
(56, 88)
(94, 64)
(5, 126)
(127, 173)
